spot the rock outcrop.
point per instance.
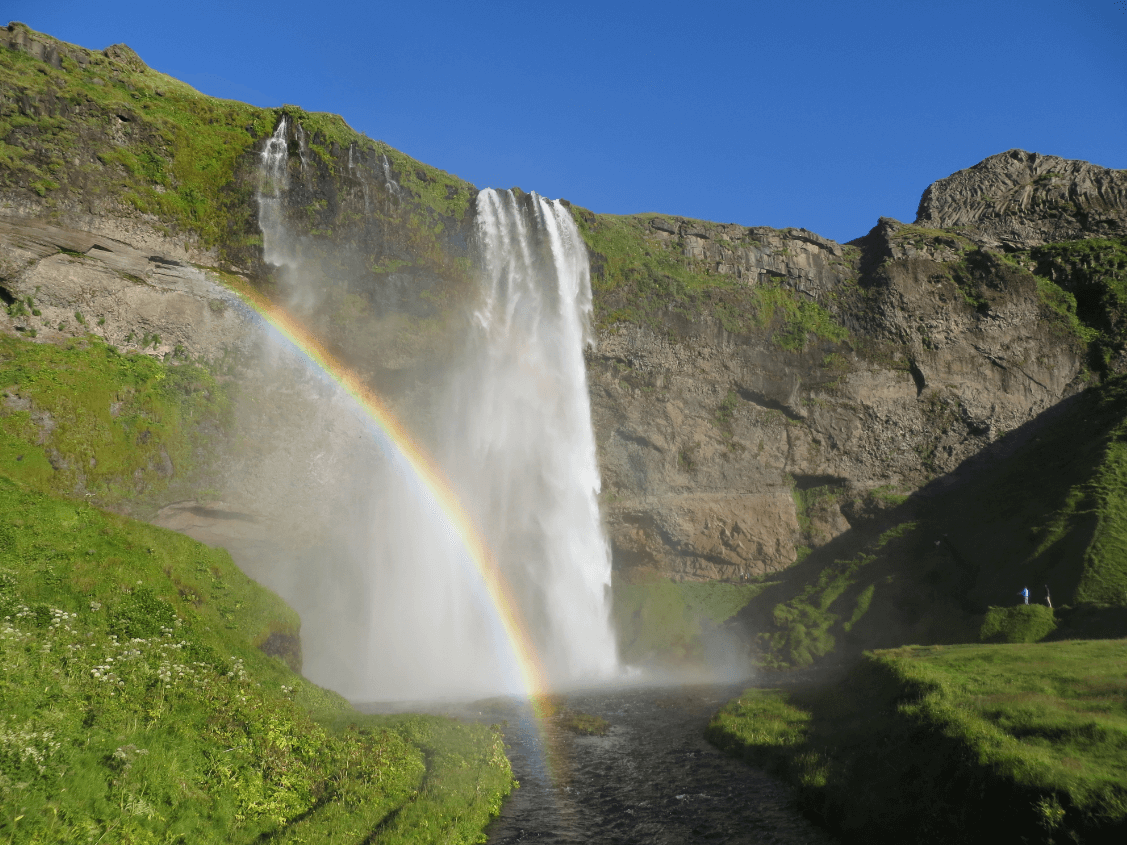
(1019, 200)
(70, 283)
(808, 262)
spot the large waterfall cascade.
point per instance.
(397, 608)
(524, 453)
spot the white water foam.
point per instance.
(524, 450)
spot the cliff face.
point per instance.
(756, 392)
(736, 435)
(725, 454)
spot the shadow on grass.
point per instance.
(1020, 513)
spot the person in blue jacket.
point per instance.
(1025, 594)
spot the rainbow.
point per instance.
(532, 674)
(533, 677)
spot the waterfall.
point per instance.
(274, 181)
(395, 608)
(524, 453)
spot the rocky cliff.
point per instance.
(739, 431)
(1018, 200)
(756, 392)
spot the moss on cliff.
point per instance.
(1092, 277)
(116, 131)
(121, 429)
(113, 135)
(646, 281)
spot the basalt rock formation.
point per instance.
(1020, 200)
(756, 392)
(728, 449)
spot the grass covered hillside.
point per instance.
(149, 695)
(661, 623)
(973, 743)
(1044, 506)
(100, 132)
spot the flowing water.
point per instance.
(652, 780)
(520, 445)
(399, 609)
(394, 609)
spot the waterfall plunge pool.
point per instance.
(653, 779)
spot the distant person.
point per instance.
(1048, 598)
(1025, 594)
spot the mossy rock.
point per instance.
(1024, 623)
(583, 724)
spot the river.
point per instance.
(652, 779)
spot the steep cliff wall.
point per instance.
(793, 386)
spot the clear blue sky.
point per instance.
(817, 114)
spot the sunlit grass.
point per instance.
(922, 743)
(86, 419)
(136, 707)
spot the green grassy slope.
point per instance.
(1047, 505)
(1006, 743)
(121, 430)
(138, 704)
(116, 131)
(663, 622)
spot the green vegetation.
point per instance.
(583, 724)
(1092, 276)
(811, 502)
(137, 707)
(926, 239)
(1022, 623)
(130, 135)
(952, 744)
(115, 131)
(1054, 514)
(467, 777)
(725, 413)
(440, 192)
(85, 419)
(840, 594)
(1096, 507)
(637, 278)
(664, 621)
(1085, 282)
(1064, 303)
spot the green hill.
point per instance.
(149, 695)
(150, 690)
(974, 743)
(1046, 506)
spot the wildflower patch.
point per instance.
(131, 713)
